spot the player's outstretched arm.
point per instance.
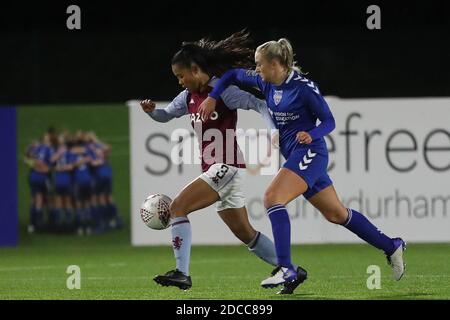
(232, 77)
(175, 109)
(237, 77)
(160, 115)
(317, 104)
(235, 98)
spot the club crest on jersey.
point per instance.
(277, 95)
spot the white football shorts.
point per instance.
(226, 180)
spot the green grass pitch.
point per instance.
(112, 269)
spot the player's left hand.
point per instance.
(207, 107)
(303, 137)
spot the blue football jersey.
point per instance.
(64, 178)
(82, 173)
(295, 105)
(43, 153)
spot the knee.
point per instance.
(176, 208)
(337, 216)
(270, 198)
(39, 202)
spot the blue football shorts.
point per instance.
(310, 163)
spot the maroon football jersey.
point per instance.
(221, 119)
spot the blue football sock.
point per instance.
(281, 228)
(33, 217)
(104, 213)
(39, 214)
(95, 216)
(79, 218)
(54, 216)
(363, 228)
(68, 215)
(112, 209)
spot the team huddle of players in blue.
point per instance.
(70, 180)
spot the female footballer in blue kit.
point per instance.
(108, 215)
(295, 104)
(63, 161)
(82, 179)
(38, 157)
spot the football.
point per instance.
(155, 211)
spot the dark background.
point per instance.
(123, 49)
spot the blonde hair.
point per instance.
(280, 50)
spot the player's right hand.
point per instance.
(148, 105)
(206, 108)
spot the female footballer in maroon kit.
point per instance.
(195, 66)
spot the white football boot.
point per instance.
(275, 280)
(290, 279)
(395, 260)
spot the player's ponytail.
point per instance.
(216, 57)
(282, 51)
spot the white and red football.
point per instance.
(155, 211)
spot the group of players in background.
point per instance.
(70, 180)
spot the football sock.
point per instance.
(281, 229)
(54, 217)
(181, 242)
(33, 215)
(39, 214)
(96, 218)
(112, 210)
(103, 210)
(68, 215)
(264, 248)
(363, 228)
(79, 218)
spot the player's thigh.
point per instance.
(39, 199)
(237, 220)
(94, 199)
(285, 187)
(328, 203)
(67, 201)
(195, 196)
